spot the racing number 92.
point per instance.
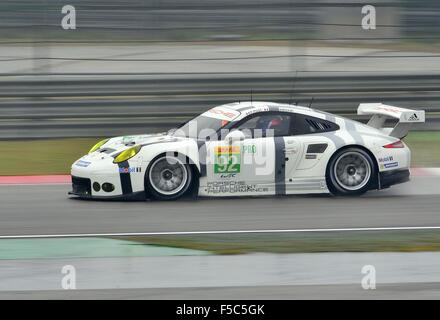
(227, 160)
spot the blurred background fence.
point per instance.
(146, 65)
(177, 20)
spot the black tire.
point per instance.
(155, 185)
(351, 172)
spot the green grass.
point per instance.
(425, 148)
(364, 241)
(69, 248)
(33, 157)
(55, 156)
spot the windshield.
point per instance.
(200, 127)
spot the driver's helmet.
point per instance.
(269, 122)
(275, 123)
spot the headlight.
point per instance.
(127, 154)
(98, 145)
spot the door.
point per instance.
(262, 163)
(240, 168)
(293, 151)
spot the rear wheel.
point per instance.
(351, 171)
(168, 178)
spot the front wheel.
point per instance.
(350, 171)
(168, 178)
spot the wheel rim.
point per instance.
(168, 176)
(352, 171)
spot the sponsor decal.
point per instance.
(385, 162)
(255, 110)
(227, 149)
(389, 109)
(283, 109)
(233, 187)
(391, 165)
(223, 113)
(311, 156)
(130, 169)
(227, 159)
(386, 159)
(82, 163)
(413, 117)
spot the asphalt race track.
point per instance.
(46, 209)
(404, 291)
(37, 209)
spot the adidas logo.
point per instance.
(413, 117)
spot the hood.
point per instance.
(119, 144)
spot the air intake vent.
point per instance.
(317, 148)
(318, 125)
(106, 150)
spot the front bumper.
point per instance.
(94, 171)
(82, 188)
(392, 177)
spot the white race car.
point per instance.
(253, 149)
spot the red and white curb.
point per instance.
(66, 179)
(425, 172)
(35, 180)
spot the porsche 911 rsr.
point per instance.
(253, 149)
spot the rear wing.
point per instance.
(381, 112)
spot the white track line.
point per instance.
(128, 234)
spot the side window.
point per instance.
(308, 124)
(267, 125)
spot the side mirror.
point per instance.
(234, 136)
